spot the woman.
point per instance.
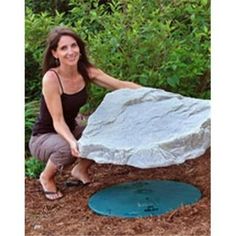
(67, 72)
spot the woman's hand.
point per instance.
(74, 149)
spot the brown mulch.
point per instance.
(70, 216)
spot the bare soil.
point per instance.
(71, 216)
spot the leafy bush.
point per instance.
(31, 111)
(33, 167)
(51, 6)
(161, 43)
(158, 44)
(37, 27)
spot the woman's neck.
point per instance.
(68, 72)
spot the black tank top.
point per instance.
(71, 104)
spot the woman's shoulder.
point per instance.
(94, 72)
(50, 78)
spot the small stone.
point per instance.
(37, 227)
(146, 128)
(60, 224)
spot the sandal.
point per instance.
(75, 183)
(52, 193)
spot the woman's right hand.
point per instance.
(74, 149)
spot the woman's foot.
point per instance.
(80, 171)
(49, 188)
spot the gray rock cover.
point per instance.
(146, 128)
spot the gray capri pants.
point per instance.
(54, 147)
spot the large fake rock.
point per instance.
(146, 128)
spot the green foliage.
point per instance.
(37, 27)
(33, 167)
(163, 43)
(31, 111)
(158, 44)
(52, 6)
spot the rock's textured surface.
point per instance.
(146, 128)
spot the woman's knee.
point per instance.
(53, 147)
(62, 158)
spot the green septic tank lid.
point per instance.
(143, 198)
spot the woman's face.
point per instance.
(67, 51)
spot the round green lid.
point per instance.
(143, 198)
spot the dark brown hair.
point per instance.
(52, 43)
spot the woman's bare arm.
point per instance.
(106, 81)
(51, 92)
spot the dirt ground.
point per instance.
(70, 216)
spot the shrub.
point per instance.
(158, 44)
(163, 43)
(51, 6)
(33, 167)
(37, 27)
(31, 111)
